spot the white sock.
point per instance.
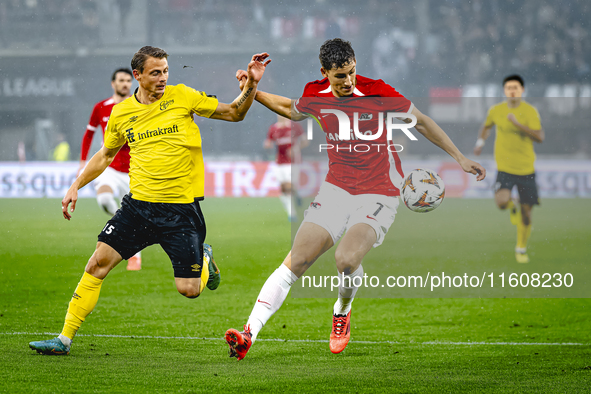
(270, 298)
(286, 201)
(65, 340)
(346, 292)
(107, 202)
(138, 254)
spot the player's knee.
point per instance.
(189, 291)
(502, 204)
(300, 262)
(346, 262)
(98, 266)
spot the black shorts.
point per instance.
(526, 186)
(178, 228)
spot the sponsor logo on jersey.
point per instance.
(105, 118)
(133, 119)
(76, 296)
(165, 104)
(157, 132)
(315, 205)
(196, 267)
(366, 116)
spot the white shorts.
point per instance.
(336, 211)
(283, 173)
(116, 180)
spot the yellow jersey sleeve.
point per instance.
(199, 102)
(113, 137)
(533, 119)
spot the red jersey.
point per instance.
(99, 117)
(358, 166)
(283, 136)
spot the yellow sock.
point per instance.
(523, 233)
(83, 302)
(204, 273)
(510, 205)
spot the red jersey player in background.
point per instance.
(112, 184)
(288, 137)
(359, 195)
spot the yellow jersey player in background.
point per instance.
(518, 127)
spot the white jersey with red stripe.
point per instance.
(368, 169)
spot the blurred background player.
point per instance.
(518, 126)
(112, 184)
(288, 137)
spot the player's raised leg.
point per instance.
(353, 247)
(310, 242)
(85, 298)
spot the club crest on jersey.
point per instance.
(165, 104)
(315, 205)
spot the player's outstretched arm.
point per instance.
(236, 111)
(280, 105)
(431, 130)
(99, 162)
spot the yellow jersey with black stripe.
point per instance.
(514, 150)
(166, 163)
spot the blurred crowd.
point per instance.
(454, 41)
(546, 39)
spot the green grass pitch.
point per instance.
(145, 337)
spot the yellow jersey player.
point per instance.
(166, 181)
(518, 127)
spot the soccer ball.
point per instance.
(423, 190)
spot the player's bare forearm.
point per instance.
(99, 162)
(431, 130)
(236, 111)
(483, 134)
(243, 102)
(535, 135)
(280, 105)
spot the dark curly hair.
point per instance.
(336, 53)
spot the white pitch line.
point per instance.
(317, 340)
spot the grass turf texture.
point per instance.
(42, 258)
